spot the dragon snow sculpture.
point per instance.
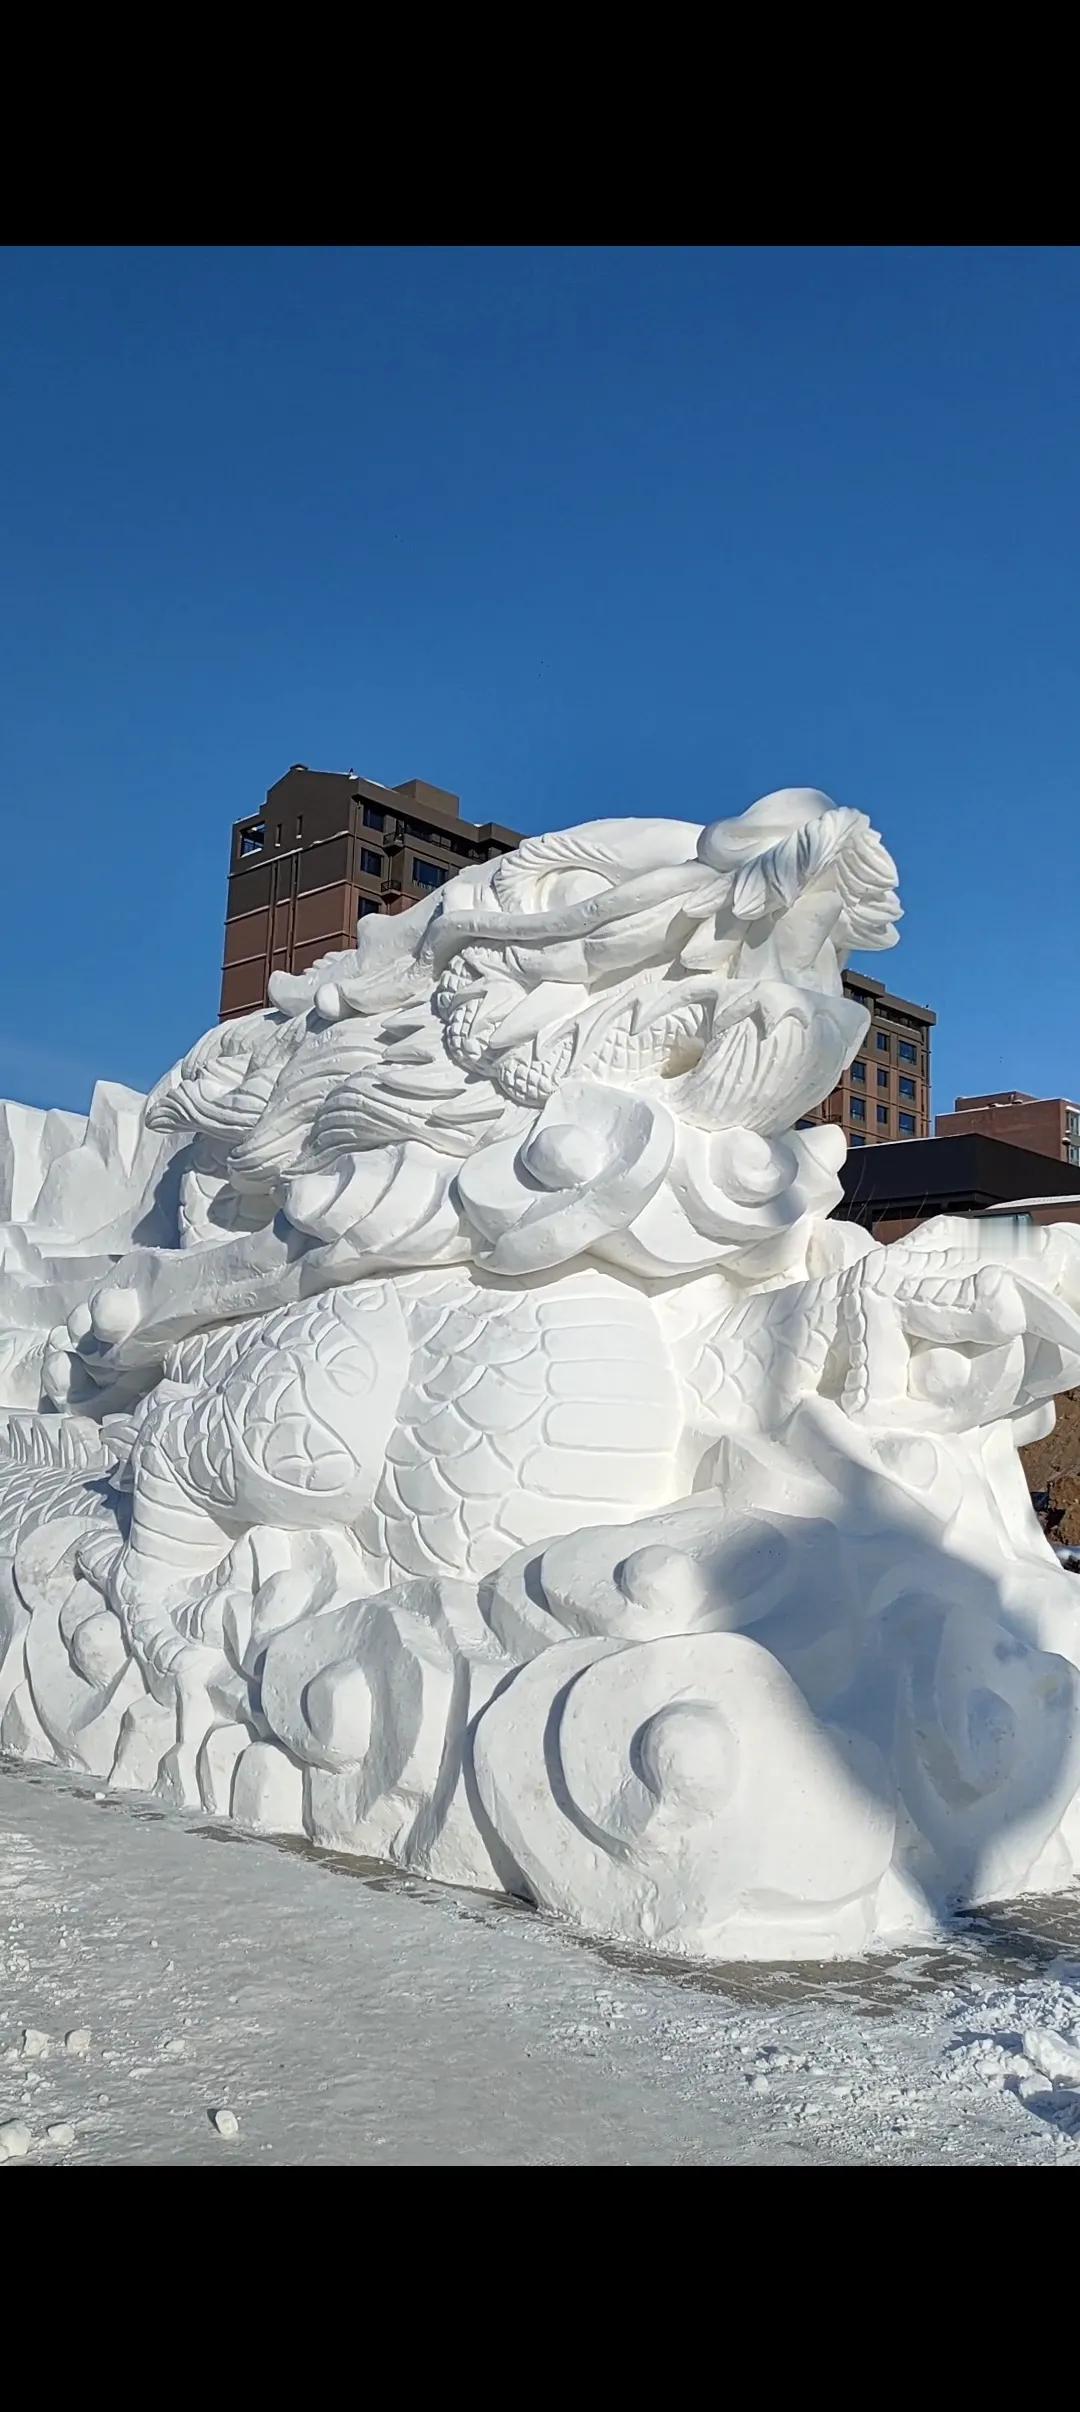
(507, 1469)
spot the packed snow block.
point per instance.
(103, 1191)
(32, 1141)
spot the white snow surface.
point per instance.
(172, 1993)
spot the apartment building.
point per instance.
(325, 849)
(885, 1094)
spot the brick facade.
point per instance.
(888, 1085)
(1050, 1126)
(327, 848)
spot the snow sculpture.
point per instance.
(462, 1436)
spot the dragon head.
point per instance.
(602, 1042)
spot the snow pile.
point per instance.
(1028, 2044)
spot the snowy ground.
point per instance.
(344, 2016)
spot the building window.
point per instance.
(907, 1087)
(883, 1114)
(368, 904)
(882, 1077)
(858, 1071)
(1072, 1153)
(373, 818)
(252, 841)
(858, 1109)
(427, 875)
(278, 833)
(429, 836)
(907, 1126)
(370, 862)
(908, 1054)
(882, 1041)
(857, 1139)
(1072, 1125)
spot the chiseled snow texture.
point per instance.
(352, 2022)
(444, 1421)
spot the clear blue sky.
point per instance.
(573, 532)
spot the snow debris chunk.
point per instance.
(226, 2122)
(1052, 2055)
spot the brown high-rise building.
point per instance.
(885, 1093)
(327, 848)
(1050, 1126)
